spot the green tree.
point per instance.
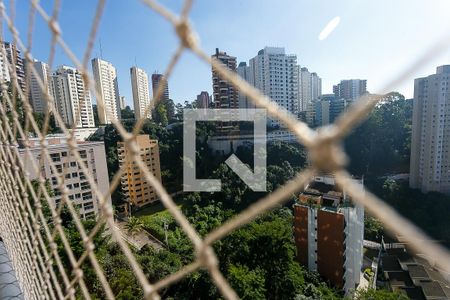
(373, 229)
(178, 112)
(390, 188)
(127, 113)
(134, 225)
(121, 277)
(170, 108)
(266, 244)
(233, 188)
(424, 210)
(159, 264)
(162, 115)
(249, 284)
(278, 175)
(381, 144)
(41, 197)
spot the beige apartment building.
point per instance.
(79, 191)
(137, 190)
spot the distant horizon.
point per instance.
(376, 46)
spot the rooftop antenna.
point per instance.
(135, 64)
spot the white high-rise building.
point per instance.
(430, 141)
(275, 74)
(244, 71)
(122, 102)
(10, 57)
(316, 86)
(141, 93)
(350, 89)
(72, 99)
(105, 76)
(4, 70)
(37, 95)
(14, 58)
(309, 88)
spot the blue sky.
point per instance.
(375, 40)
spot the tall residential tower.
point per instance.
(224, 94)
(72, 99)
(37, 95)
(430, 141)
(245, 72)
(275, 74)
(141, 94)
(309, 88)
(108, 105)
(15, 59)
(158, 79)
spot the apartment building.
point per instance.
(72, 98)
(430, 140)
(322, 112)
(275, 74)
(328, 108)
(245, 73)
(158, 79)
(122, 102)
(137, 190)
(329, 232)
(14, 58)
(141, 93)
(79, 191)
(4, 66)
(309, 88)
(37, 95)
(203, 100)
(350, 89)
(108, 104)
(225, 95)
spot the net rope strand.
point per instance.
(31, 241)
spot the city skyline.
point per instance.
(314, 195)
(362, 58)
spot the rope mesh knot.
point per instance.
(186, 35)
(326, 153)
